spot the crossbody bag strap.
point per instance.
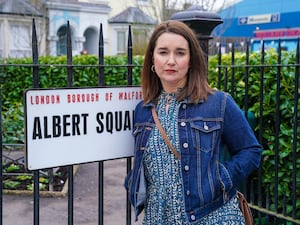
(163, 133)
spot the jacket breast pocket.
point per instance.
(204, 134)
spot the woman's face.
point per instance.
(171, 58)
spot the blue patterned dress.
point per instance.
(165, 201)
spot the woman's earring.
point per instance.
(153, 68)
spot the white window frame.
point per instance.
(121, 44)
(143, 2)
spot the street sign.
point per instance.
(77, 125)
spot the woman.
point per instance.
(196, 187)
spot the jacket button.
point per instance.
(182, 124)
(188, 192)
(193, 217)
(185, 145)
(205, 126)
(186, 168)
(184, 106)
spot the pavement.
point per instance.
(18, 209)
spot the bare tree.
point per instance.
(172, 6)
(207, 5)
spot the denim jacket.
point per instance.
(205, 131)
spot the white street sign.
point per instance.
(78, 125)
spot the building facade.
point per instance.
(16, 28)
(84, 17)
(257, 20)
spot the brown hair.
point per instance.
(197, 87)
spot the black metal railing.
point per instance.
(268, 208)
(269, 200)
(69, 67)
(1, 166)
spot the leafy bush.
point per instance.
(233, 80)
(16, 76)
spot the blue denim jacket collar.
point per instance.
(186, 100)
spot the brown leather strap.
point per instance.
(163, 133)
(244, 206)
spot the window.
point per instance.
(19, 40)
(121, 40)
(143, 2)
(95, 1)
(62, 41)
(91, 41)
(1, 40)
(61, 44)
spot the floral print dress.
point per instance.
(162, 169)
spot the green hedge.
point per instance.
(287, 97)
(15, 79)
(16, 76)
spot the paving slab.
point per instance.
(18, 209)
